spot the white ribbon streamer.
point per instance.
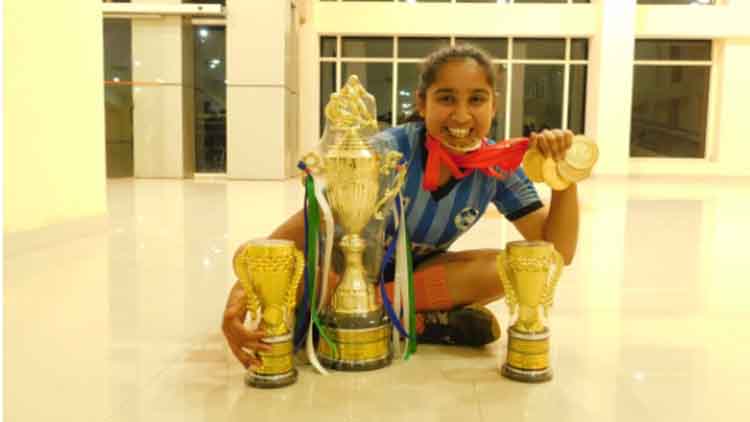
(402, 274)
(396, 288)
(328, 220)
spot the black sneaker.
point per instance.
(472, 325)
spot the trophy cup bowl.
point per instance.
(529, 271)
(269, 272)
(355, 321)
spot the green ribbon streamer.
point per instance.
(412, 345)
(313, 229)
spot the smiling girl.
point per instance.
(453, 176)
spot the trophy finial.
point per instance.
(352, 107)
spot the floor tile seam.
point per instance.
(170, 364)
(9, 254)
(477, 400)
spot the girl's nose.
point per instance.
(461, 114)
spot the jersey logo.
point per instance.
(466, 218)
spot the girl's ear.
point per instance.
(420, 104)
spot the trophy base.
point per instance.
(528, 356)
(256, 380)
(362, 342)
(277, 368)
(525, 375)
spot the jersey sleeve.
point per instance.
(398, 138)
(516, 196)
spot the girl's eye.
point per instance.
(447, 99)
(478, 100)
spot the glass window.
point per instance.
(689, 2)
(221, 2)
(577, 98)
(327, 46)
(669, 113)
(377, 79)
(118, 97)
(497, 130)
(539, 1)
(579, 49)
(367, 47)
(540, 106)
(699, 50)
(406, 98)
(496, 47)
(539, 48)
(210, 99)
(327, 87)
(419, 47)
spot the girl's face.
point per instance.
(459, 105)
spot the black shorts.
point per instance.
(390, 267)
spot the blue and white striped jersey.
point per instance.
(435, 225)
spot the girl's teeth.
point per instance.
(459, 133)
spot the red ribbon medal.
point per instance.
(507, 155)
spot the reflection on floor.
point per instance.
(650, 321)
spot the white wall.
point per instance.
(54, 157)
(611, 25)
(162, 63)
(261, 92)
(733, 148)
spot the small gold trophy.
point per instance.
(270, 271)
(529, 271)
(354, 319)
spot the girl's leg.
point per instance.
(456, 279)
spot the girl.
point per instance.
(455, 103)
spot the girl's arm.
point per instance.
(557, 224)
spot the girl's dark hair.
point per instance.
(432, 64)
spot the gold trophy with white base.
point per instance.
(269, 272)
(529, 271)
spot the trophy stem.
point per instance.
(354, 295)
(355, 321)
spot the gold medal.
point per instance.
(582, 154)
(552, 177)
(571, 174)
(532, 165)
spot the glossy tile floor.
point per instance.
(650, 322)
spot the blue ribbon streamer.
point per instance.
(388, 257)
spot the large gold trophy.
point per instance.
(529, 271)
(269, 272)
(354, 171)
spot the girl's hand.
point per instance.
(243, 342)
(552, 143)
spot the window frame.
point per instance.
(508, 62)
(709, 145)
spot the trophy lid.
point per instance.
(350, 113)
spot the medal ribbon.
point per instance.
(507, 155)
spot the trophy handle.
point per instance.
(391, 162)
(510, 294)
(549, 291)
(291, 294)
(243, 275)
